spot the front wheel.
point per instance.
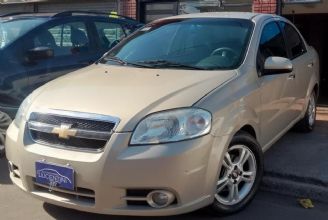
(240, 175)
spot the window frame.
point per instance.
(96, 36)
(260, 66)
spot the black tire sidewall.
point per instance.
(303, 125)
(307, 116)
(242, 138)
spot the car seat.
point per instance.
(78, 38)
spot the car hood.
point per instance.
(126, 92)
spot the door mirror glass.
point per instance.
(39, 53)
(277, 65)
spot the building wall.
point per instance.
(124, 7)
(308, 8)
(128, 8)
(11, 8)
(92, 5)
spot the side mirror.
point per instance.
(39, 53)
(277, 65)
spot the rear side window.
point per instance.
(109, 34)
(272, 42)
(64, 39)
(294, 40)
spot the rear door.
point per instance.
(303, 64)
(72, 46)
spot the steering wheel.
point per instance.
(224, 51)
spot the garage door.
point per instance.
(10, 8)
(106, 6)
(154, 10)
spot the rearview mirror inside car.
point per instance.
(39, 53)
(277, 65)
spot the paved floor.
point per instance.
(297, 164)
(16, 205)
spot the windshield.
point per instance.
(10, 30)
(202, 43)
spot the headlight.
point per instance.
(171, 126)
(21, 113)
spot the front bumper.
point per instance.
(188, 169)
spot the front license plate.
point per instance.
(54, 175)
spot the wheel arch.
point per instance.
(248, 129)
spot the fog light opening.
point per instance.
(160, 199)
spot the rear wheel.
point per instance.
(307, 123)
(240, 175)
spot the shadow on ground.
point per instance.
(4, 173)
(64, 213)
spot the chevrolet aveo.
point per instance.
(174, 118)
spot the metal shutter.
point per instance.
(106, 6)
(10, 8)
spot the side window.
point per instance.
(294, 40)
(65, 39)
(271, 44)
(109, 34)
(272, 41)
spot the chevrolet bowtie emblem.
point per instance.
(64, 131)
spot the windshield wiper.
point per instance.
(124, 63)
(167, 63)
(116, 60)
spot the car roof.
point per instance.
(64, 14)
(236, 15)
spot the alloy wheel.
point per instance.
(312, 110)
(237, 175)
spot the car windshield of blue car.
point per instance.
(197, 43)
(10, 30)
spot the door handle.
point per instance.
(310, 65)
(292, 76)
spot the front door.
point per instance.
(276, 90)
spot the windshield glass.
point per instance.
(10, 30)
(202, 43)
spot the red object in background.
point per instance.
(128, 8)
(265, 6)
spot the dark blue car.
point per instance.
(36, 48)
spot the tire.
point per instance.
(5, 121)
(222, 204)
(307, 123)
(2, 151)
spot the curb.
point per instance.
(295, 186)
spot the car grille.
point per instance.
(71, 130)
(83, 196)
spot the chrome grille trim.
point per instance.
(85, 134)
(78, 115)
(71, 130)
